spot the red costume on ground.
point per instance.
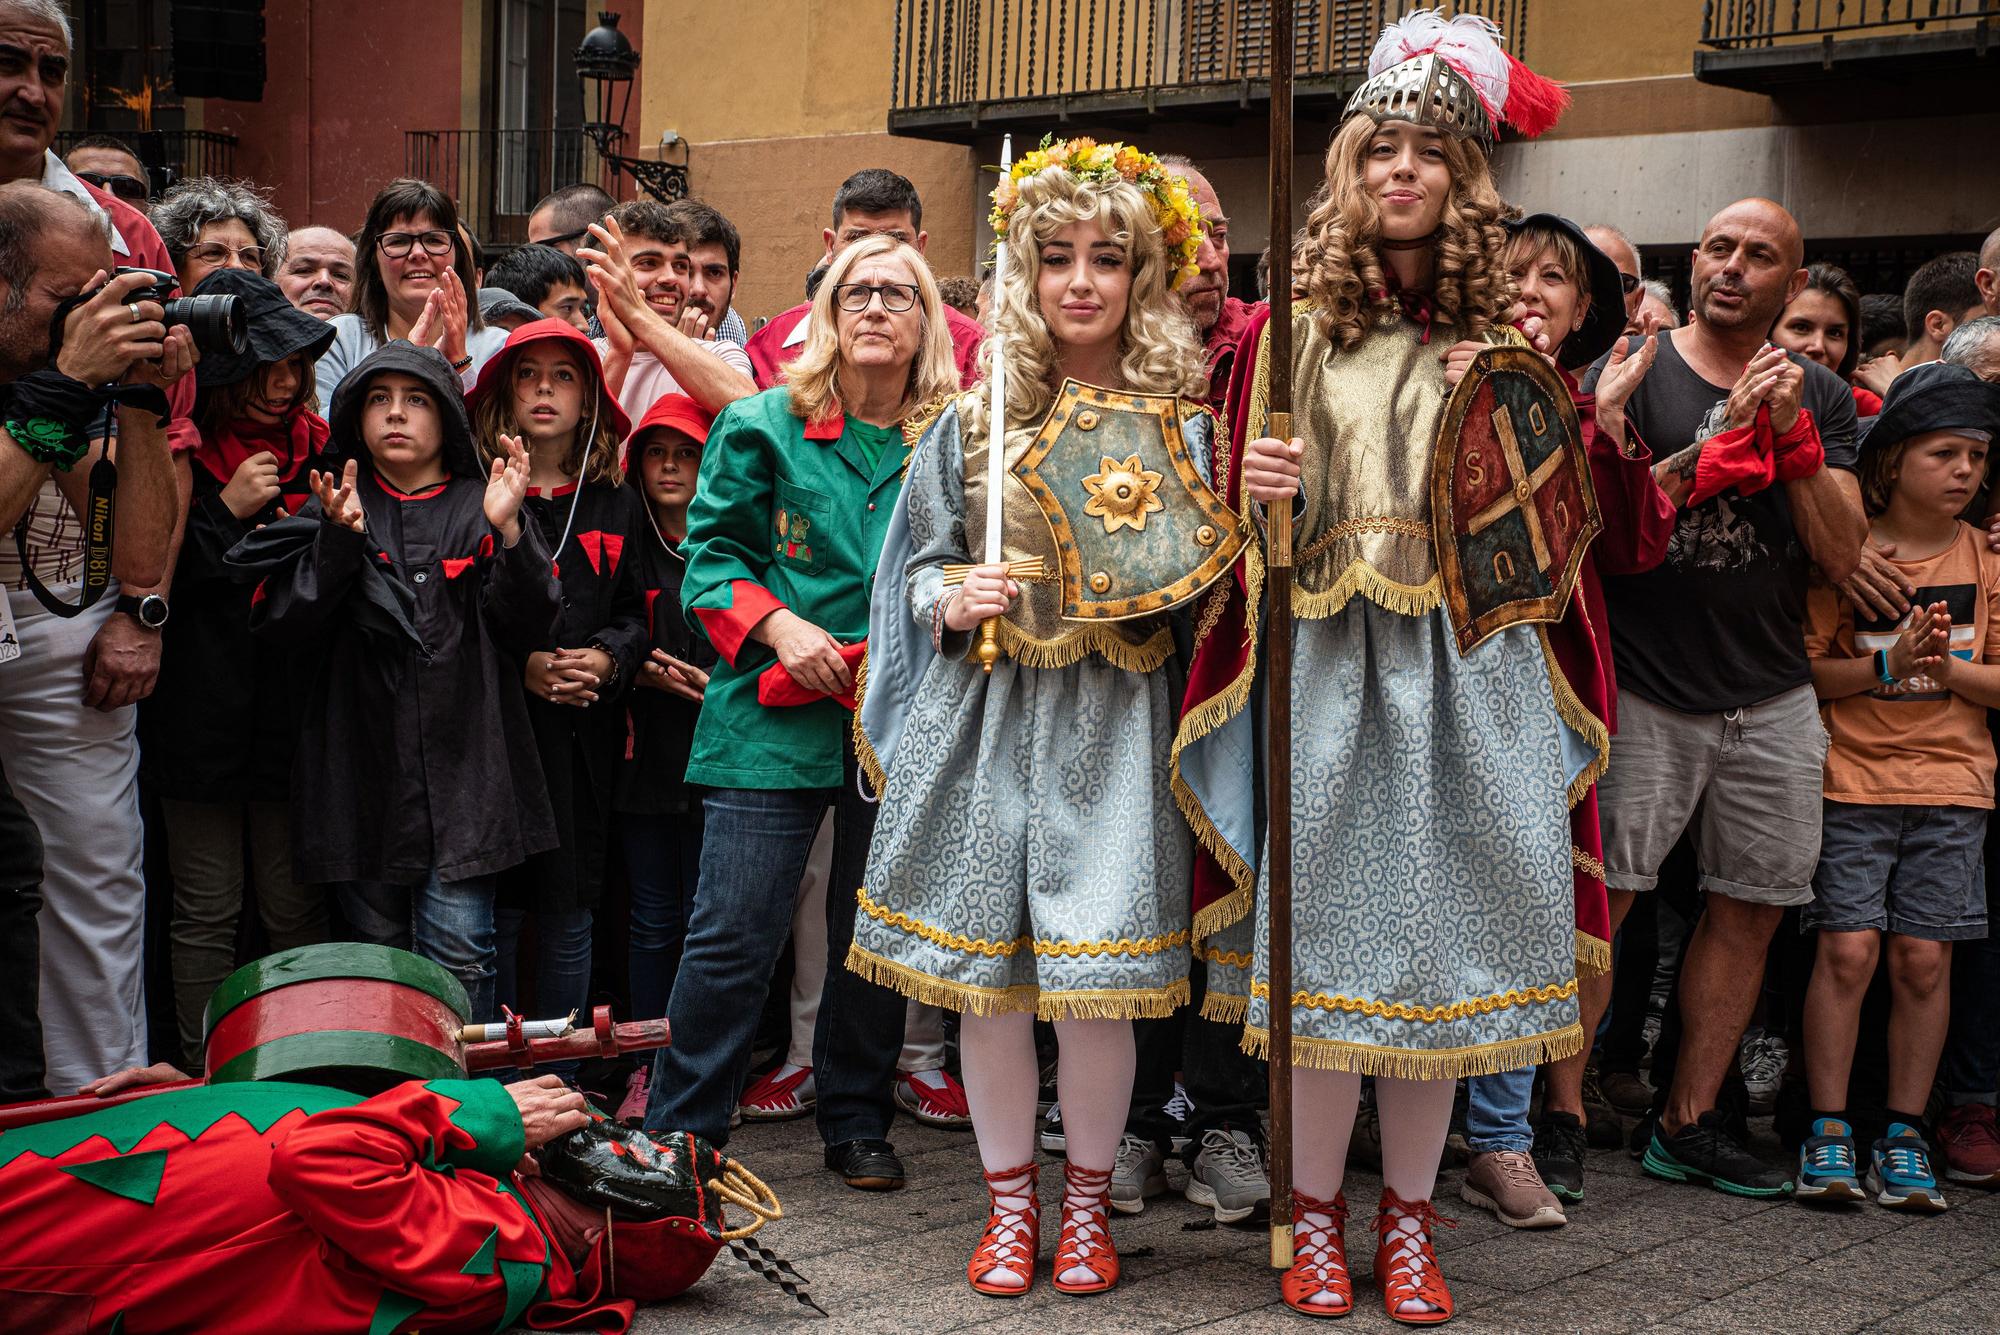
(1638, 522)
(261, 1207)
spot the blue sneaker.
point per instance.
(1826, 1173)
(1899, 1172)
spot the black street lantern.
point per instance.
(606, 62)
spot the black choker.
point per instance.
(1415, 243)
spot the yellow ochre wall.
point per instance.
(780, 101)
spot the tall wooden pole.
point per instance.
(1278, 642)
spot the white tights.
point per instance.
(1094, 1072)
(1415, 1115)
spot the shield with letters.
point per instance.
(1511, 496)
(1137, 530)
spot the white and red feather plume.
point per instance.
(1470, 43)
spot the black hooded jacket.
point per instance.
(416, 751)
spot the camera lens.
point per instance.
(216, 321)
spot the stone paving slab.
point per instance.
(1638, 1256)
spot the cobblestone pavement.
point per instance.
(1638, 1255)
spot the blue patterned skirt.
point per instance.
(1433, 906)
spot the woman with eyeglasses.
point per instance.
(211, 224)
(796, 490)
(414, 281)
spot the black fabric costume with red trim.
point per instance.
(243, 1209)
(415, 754)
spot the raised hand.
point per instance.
(252, 486)
(611, 273)
(178, 356)
(104, 337)
(339, 504)
(1760, 377)
(506, 488)
(693, 322)
(451, 310)
(987, 592)
(428, 329)
(1622, 374)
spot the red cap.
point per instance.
(678, 412)
(552, 330)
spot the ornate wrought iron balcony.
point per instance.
(967, 67)
(1769, 45)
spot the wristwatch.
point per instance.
(151, 610)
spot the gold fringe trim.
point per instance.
(923, 418)
(1593, 955)
(1577, 714)
(1325, 1054)
(1224, 1009)
(1103, 641)
(1094, 1004)
(1197, 723)
(1399, 1010)
(1585, 863)
(864, 750)
(966, 945)
(1366, 581)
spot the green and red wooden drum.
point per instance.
(357, 1017)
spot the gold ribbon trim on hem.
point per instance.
(1086, 1004)
(1399, 1010)
(1324, 1054)
(966, 945)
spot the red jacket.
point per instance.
(243, 1209)
(768, 353)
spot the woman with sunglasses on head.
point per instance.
(211, 224)
(414, 281)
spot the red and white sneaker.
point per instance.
(933, 1098)
(1970, 1139)
(780, 1095)
(632, 1108)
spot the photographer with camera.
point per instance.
(75, 347)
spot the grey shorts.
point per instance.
(1915, 871)
(1748, 781)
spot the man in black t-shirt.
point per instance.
(1718, 727)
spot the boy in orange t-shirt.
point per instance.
(1909, 780)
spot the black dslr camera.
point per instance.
(217, 322)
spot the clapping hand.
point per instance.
(611, 274)
(339, 504)
(506, 488)
(442, 323)
(1756, 385)
(1924, 647)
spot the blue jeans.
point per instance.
(1496, 1111)
(562, 968)
(754, 849)
(663, 865)
(450, 922)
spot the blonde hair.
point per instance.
(1341, 271)
(1160, 351)
(814, 376)
(594, 460)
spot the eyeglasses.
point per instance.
(397, 244)
(128, 188)
(218, 254)
(1628, 282)
(855, 297)
(561, 238)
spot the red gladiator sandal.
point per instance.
(1013, 1235)
(1406, 1264)
(1086, 1231)
(1319, 1259)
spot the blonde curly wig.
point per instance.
(1160, 352)
(1340, 269)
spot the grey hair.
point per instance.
(1659, 292)
(48, 11)
(190, 206)
(1965, 342)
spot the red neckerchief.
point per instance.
(295, 439)
(1416, 305)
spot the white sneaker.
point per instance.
(1139, 1171)
(1229, 1176)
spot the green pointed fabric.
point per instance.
(392, 1311)
(191, 1111)
(136, 1177)
(524, 1281)
(117, 1326)
(483, 1260)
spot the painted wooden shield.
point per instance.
(1137, 530)
(1510, 496)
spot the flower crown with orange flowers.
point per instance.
(1087, 160)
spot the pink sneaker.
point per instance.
(779, 1098)
(936, 1100)
(632, 1108)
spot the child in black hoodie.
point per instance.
(416, 781)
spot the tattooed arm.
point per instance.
(1675, 474)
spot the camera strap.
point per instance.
(99, 521)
